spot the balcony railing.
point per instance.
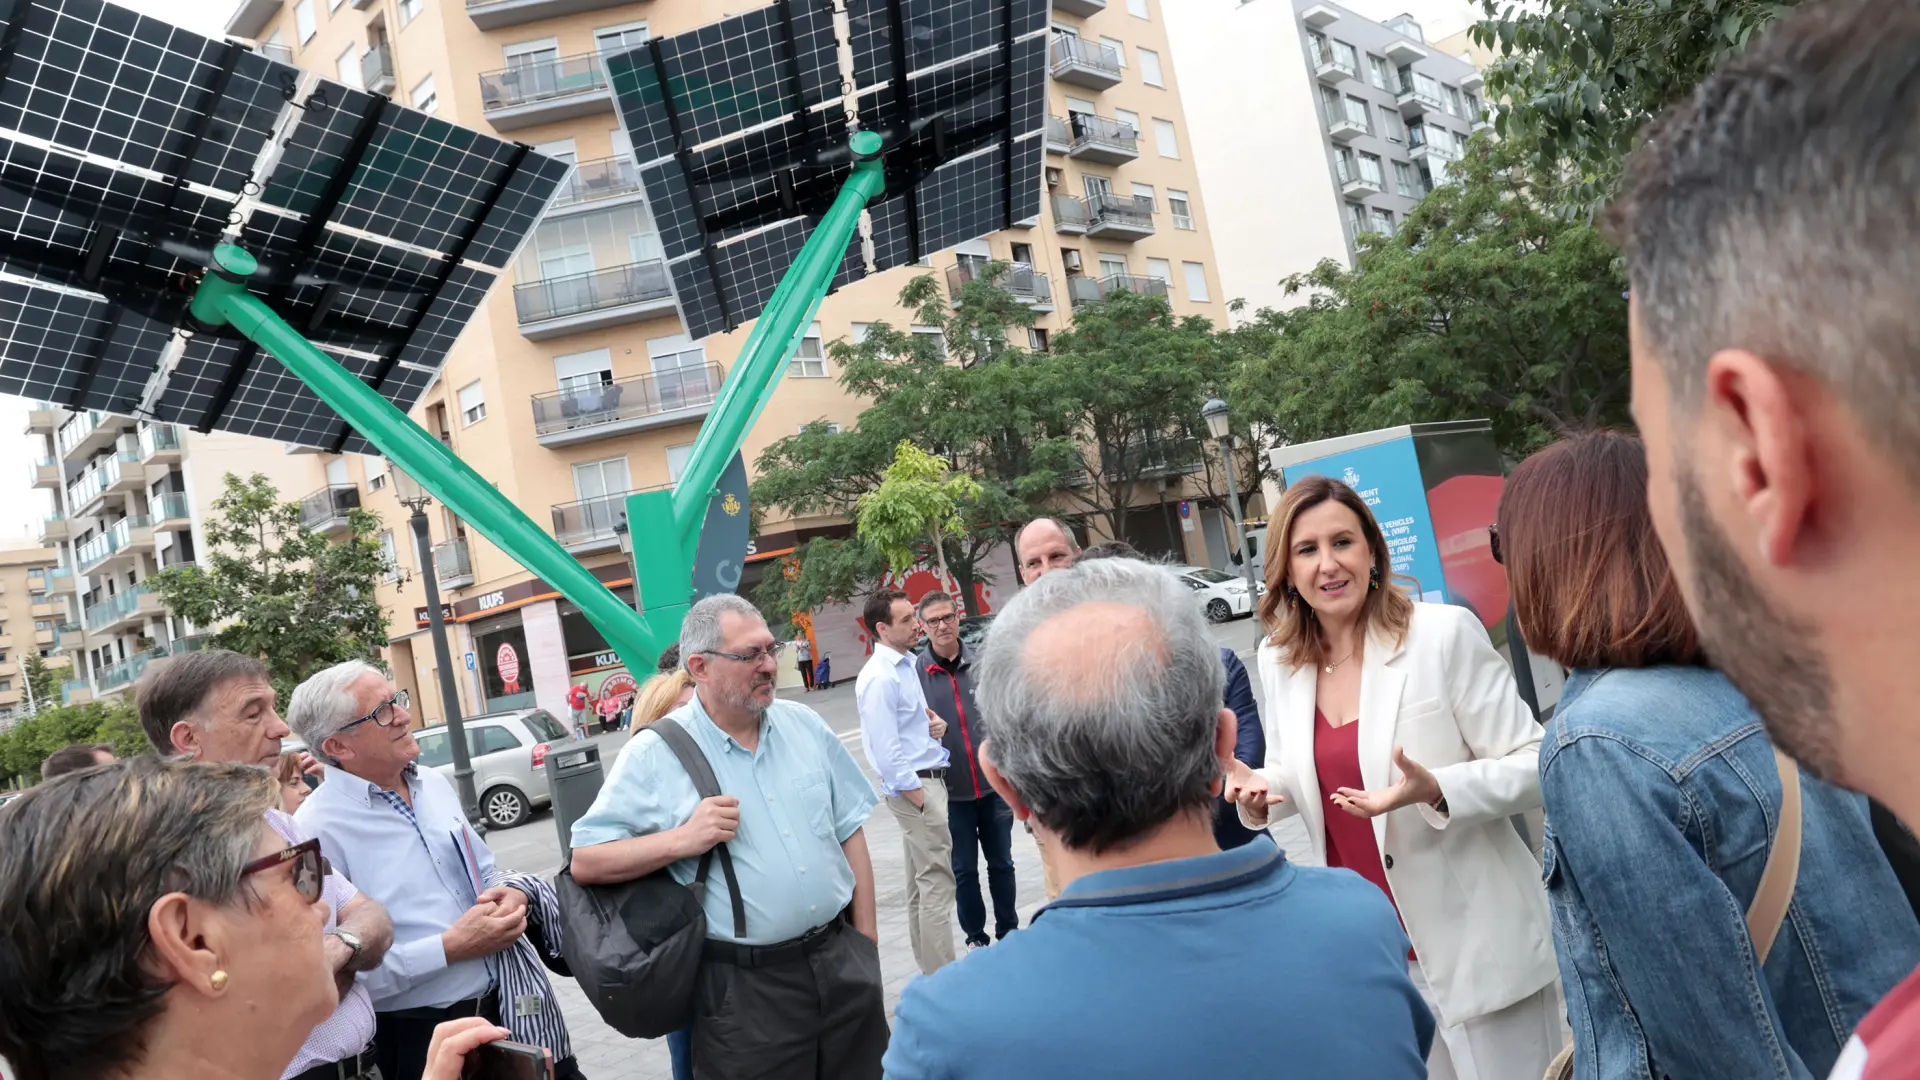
(1059, 134)
(591, 521)
(1069, 52)
(1069, 213)
(1086, 290)
(75, 688)
(329, 506)
(172, 506)
(451, 563)
(114, 608)
(1131, 211)
(625, 399)
(109, 542)
(524, 84)
(1021, 280)
(1154, 457)
(1092, 134)
(75, 431)
(96, 480)
(376, 68)
(128, 671)
(598, 290)
(158, 438)
(602, 178)
(280, 53)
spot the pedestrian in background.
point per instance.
(1164, 956)
(74, 758)
(803, 659)
(1663, 805)
(1397, 734)
(290, 774)
(977, 818)
(577, 698)
(903, 744)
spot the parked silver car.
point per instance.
(509, 752)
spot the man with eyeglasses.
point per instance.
(400, 832)
(795, 993)
(217, 706)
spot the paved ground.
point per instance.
(606, 1055)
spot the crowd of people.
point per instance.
(1731, 593)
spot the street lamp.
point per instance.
(1220, 426)
(415, 498)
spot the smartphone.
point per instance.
(506, 1060)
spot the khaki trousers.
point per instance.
(929, 847)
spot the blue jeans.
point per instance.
(983, 825)
(680, 1049)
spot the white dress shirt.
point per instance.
(893, 720)
(423, 863)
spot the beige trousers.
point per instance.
(929, 846)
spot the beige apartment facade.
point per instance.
(576, 383)
(32, 622)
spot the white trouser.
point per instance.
(1515, 1043)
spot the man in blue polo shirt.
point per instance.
(1103, 687)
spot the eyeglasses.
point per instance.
(942, 620)
(309, 867)
(1493, 544)
(385, 714)
(771, 652)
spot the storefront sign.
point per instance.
(592, 662)
(509, 664)
(516, 595)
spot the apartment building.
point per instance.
(577, 385)
(1356, 122)
(128, 499)
(32, 622)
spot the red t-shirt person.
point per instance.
(1886, 1046)
(577, 697)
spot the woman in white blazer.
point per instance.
(1397, 735)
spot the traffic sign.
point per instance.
(470, 663)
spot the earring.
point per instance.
(1373, 579)
(219, 980)
(1293, 597)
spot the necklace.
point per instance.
(1329, 667)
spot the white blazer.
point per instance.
(1467, 887)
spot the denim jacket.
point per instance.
(1662, 796)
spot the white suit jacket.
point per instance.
(1468, 889)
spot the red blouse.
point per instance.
(1350, 843)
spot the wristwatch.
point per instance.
(352, 941)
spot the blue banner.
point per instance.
(1387, 477)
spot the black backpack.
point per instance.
(635, 947)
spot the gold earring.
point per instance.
(219, 981)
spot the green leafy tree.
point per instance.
(278, 590)
(1485, 303)
(43, 683)
(1580, 77)
(120, 728)
(25, 745)
(915, 508)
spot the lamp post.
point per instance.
(415, 498)
(1219, 425)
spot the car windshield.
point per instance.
(1211, 577)
(544, 726)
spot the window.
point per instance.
(811, 361)
(1383, 221)
(1379, 73)
(435, 750)
(1370, 170)
(1330, 106)
(1113, 265)
(1119, 50)
(1150, 68)
(1358, 112)
(935, 337)
(1096, 186)
(599, 480)
(1163, 139)
(409, 10)
(424, 97)
(1318, 51)
(494, 738)
(1137, 8)
(583, 371)
(376, 469)
(620, 38)
(1426, 86)
(1453, 101)
(1344, 55)
(1145, 191)
(1160, 268)
(857, 333)
(473, 402)
(1475, 112)
(303, 20)
(347, 65)
(1036, 339)
(1344, 167)
(1131, 119)
(1356, 219)
(677, 461)
(1392, 127)
(1403, 181)
(6, 684)
(832, 428)
(389, 555)
(1196, 282)
(1181, 208)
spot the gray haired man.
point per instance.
(795, 993)
(217, 705)
(1103, 687)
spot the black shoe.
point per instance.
(980, 942)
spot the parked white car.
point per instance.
(509, 753)
(1221, 595)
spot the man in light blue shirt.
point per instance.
(903, 744)
(795, 994)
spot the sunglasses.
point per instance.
(1493, 544)
(309, 867)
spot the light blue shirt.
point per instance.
(893, 720)
(801, 796)
(427, 870)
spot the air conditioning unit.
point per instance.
(1071, 260)
(1053, 177)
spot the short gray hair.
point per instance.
(1111, 746)
(324, 703)
(700, 630)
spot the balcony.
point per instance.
(116, 475)
(127, 474)
(1059, 135)
(1320, 16)
(126, 537)
(88, 433)
(171, 512)
(45, 419)
(1082, 8)
(1096, 138)
(1155, 458)
(592, 181)
(278, 53)
(1085, 291)
(159, 444)
(71, 637)
(123, 611)
(601, 298)
(47, 609)
(44, 473)
(376, 67)
(328, 510)
(60, 582)
(1403, 51)
(1342, 128)
(545, 91)
(1091, 64)
(54, 528)
(75, 692)
(116, 677)
(586, 526)
(639, 403)
(1021, 280)
(1414, 102)
(251, 17)
(1331, 70)
(451, 564)
(1120, 217)
(1357, 188)
(1069, 215)
(494, 14)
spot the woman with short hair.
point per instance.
(1663, 801)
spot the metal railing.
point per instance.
(72, 687)
(330, 503)
(1324, 57)
(596, 290)
(1020, 279)
(114, 608)
(280, 53)
(1135, 211)
(109, 542)
(1070, 210)
(586, 521)
(1091, 130)
(524, 84)
(1087, 291)
(626, 399)
(376, 64)
(1408, 91)
(127, 672)
(155, 438)
(1058, 133)
(1153, 457)
(170, 506)
(1067, 50)
(601, 178)
(450, 561)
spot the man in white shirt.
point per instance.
(902, 738)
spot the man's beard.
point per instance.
(1762, 650)
(745, 701)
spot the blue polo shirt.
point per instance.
(1238, 964)
(801, 796)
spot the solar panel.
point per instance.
(740, 130)
(130, 147)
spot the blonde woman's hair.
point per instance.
(1294, 629)
(659, 696)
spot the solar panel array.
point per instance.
(740, 128)
(129, 147)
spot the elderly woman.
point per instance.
(156, 927)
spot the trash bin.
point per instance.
(574, 777)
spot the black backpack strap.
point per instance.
(706, 785)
